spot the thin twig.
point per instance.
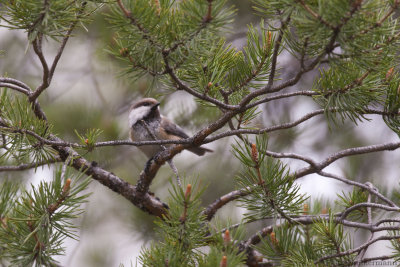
(366, 205)
(48, 73)
(311, 219)
(27, 166)
(360, 185)
(16, 82)
(37, 47)
(369, 215)
(223, 200)
(345, 153)
(191, 91)
(316, 15)
(14, 87)
(135, 22)
(355, 250)
(281, 96)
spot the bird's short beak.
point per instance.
(155, 106)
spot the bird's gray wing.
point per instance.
(172, 128)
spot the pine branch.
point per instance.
(387, 221)
(208, 17)
(49, 72)
(145, 33)
(311, 219)
(231, 196)
(265, 130)
(37, 47)
(206, 20)
(277, 47)
(316, 15)
(369, 215)
(40, 19)
(141, 143)
(41, 139)
(304, 69)
(255, 72)
(14, 87)
(210, 211)
(307, 219)
(380, 22)
(18, 83)
(356, 5)
(290, 156)
(346, 153)
(374, 259)
(358, 249)
(357, 82)
(371, 205)
(284, 125)
(261, 183)
(280, 96)
(39, 245)
(181, 86)
(125, 53)
(27, 166)
(360, 185)
(153, 165)
(64, 194)
(144, 201)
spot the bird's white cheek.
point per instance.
(137, 114)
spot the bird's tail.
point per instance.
(200, 151)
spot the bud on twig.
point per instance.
(4, 222)
(224, 262)
(254, 153)
(188, 192)
(124, 51)
(67, 186)
(209, 85)
(273, 239)
(389, 74)
(182, 219)
(158, 7)
(305, 209)
(269, 37)
(54, 206)
(227, 237)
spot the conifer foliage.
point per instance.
(349, 46)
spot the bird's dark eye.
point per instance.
(146, 104)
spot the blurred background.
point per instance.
(89, 91)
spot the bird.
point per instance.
(147, 124)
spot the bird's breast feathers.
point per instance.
(139, 132)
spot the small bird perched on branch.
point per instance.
(147, 124)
